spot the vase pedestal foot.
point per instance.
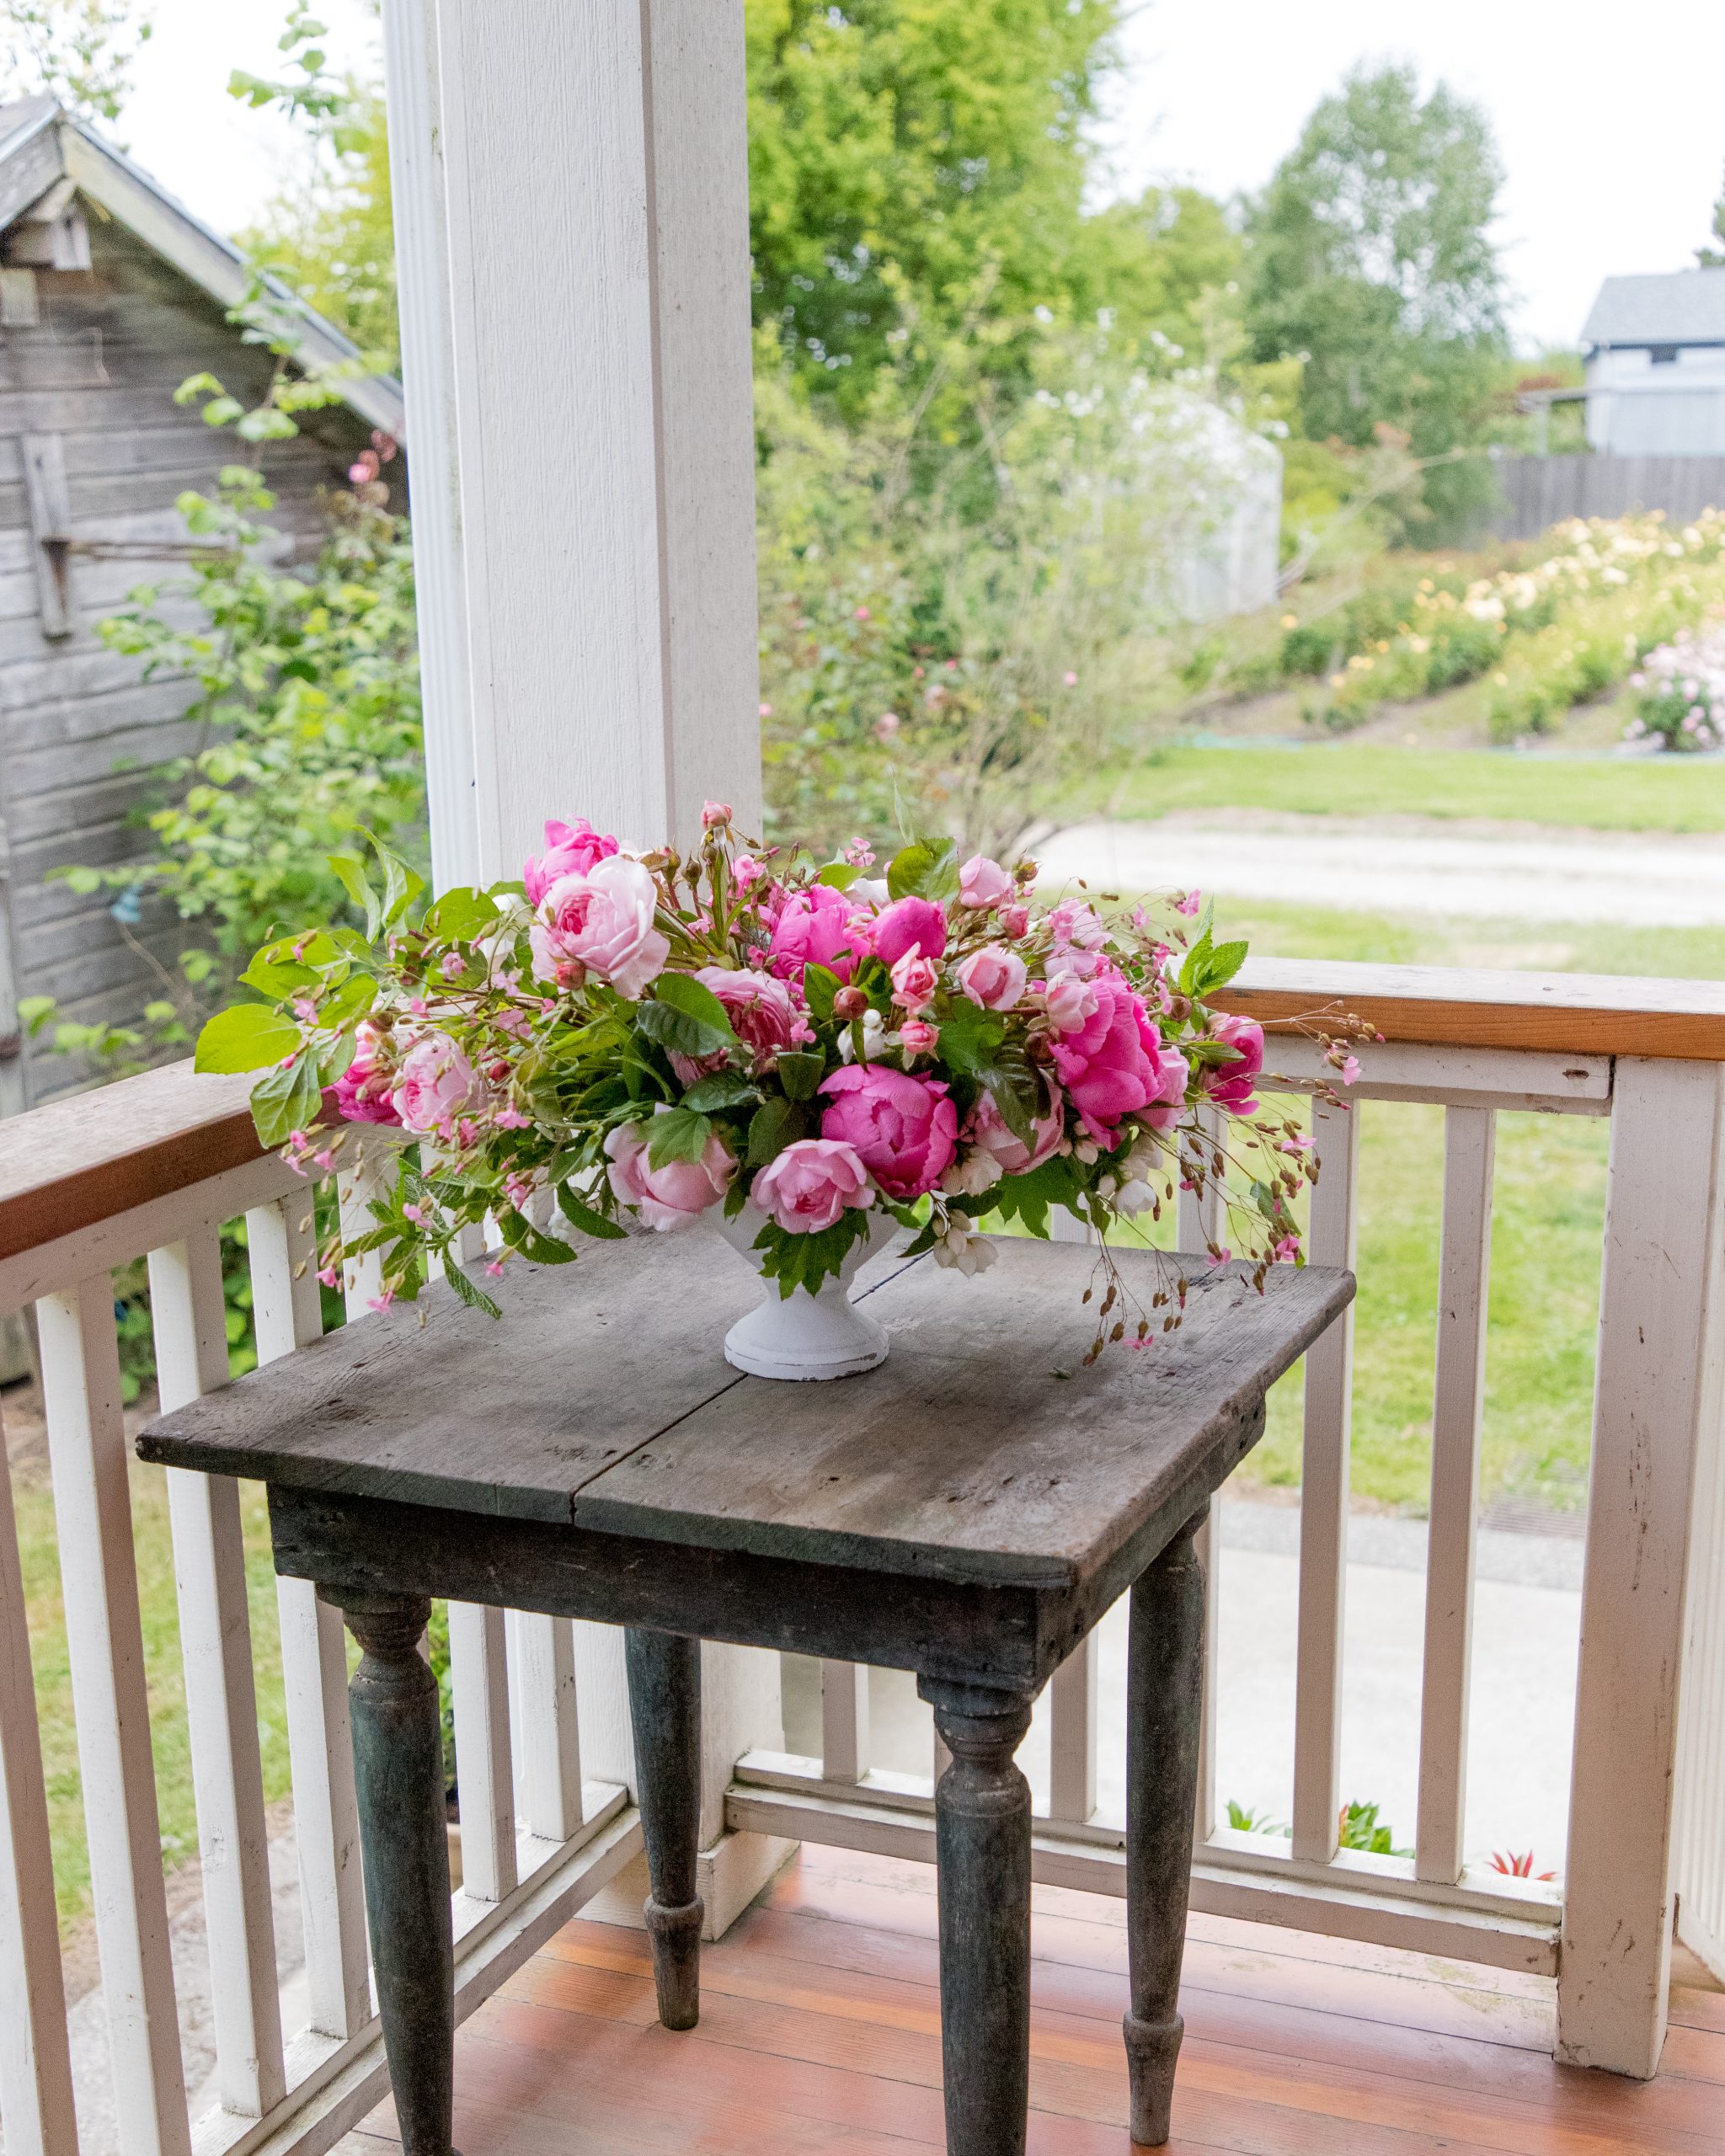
(804, 1336)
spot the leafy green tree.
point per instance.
(1713, 258)
(80, 51)
(1370, 254)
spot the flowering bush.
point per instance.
(1682, 687)
(657, 1036)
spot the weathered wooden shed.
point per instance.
(111, 294)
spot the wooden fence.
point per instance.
(1541, 491)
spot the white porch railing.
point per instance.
(1649, 1055)
(154, 1168)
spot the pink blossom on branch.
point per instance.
(602, 922)
(363, 1090)
(993, 977)
(434, 1084)
(1230, 1085)
(915, 980)
(983, 883)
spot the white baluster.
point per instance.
(35, 2063)
(287, 1312)
(104, 1642)
(362, 1170)
(190, 1317)
(1458, 1398)
(1073, 1733)
(1198, 1224)
(844, 1721)
(1323, 1501)
(542, 1660)
(479, 1680)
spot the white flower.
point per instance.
(963, 1246)
(1134, 1197)
(877, 1041)
(972, 1172)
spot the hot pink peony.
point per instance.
(909, 924)
(905, 1130)
(363, 1090)
(602, 922)
(806, 1188)
(675, 1195)
(993, 977)
(570, 850)
(986, 1128)
(762, 1011)
(1230, 1085)
(820, 927)
(433, 1084)
(983, 883)
(1115, 1063)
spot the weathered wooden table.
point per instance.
(968, 1511)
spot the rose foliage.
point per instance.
(660, 1037)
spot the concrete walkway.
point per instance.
(1405, 864)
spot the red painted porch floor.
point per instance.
(820, 2034)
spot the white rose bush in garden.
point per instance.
(1682, 685)
(670, 1038)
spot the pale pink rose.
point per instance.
(1071, 1002)
(363, 1090)
(434, 1083)
(915, 980)
(806, 1188)
(762, 1011)
(1074, 922)
(918, 1037)
(821, 927)
(993, 977)
(1115, 1064)
(986, 1128)
(1229, 1084)
(570, 850)
(601, 923)
(983, 883)
(676, 1195)
(909, 924)
(905, 1130)
(713, 813)
(1015, 921)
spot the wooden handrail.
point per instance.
(83, 1159)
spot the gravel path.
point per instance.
(1406, 866)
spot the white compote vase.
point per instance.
(800, 1335)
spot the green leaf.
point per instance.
(819, 986)
(800, 1073)
(724, 1089)
(358, 886)
(776, 1124)
(1225, 961)
(586, 1219)
(805, 1261)
(927, 868)
(969, 1036)
(286, 1099)
(683, 1015)
(839, 875)
(245, 1037)
(519, 1232)
(678, 1135)
(279, 983)
(352, 999)
(461, 916)
(475, 1298)
(402, 885)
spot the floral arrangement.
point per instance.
(1682, 687)
(646, 1038)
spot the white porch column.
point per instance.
(571, 206)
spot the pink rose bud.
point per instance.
(918, 1037)
(909, 924)
(983, 883)
(848, 1004)
(915, 980)
(714, 812)
(993, 977)
(1015, 921)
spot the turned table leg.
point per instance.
(1164, 1698)
(982, 1843)
(397, 1732)
(664, 1707)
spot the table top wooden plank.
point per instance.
(983, 1447)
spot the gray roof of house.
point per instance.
(1685, 307)
(39, 144)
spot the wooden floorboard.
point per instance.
(820, 2036)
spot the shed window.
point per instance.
(1665, 356)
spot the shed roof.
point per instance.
(1686, 307)
(39, 144)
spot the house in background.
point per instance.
(111, 294)
(1656, 365)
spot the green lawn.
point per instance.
(1370, 778)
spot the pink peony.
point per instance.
(1229, 1084)
(915, 980)
(993, 977)
(806, 1188)
(986, 1128)
(905, 1130)
(570, 850)
(1115, 1063)
(983, 883)
(761, 1010)
(434, 1084)
(675, 1195)
(909, 924)
(601, 922)
(362, 1092)
(820, 927)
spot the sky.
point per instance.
(1610, 120)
